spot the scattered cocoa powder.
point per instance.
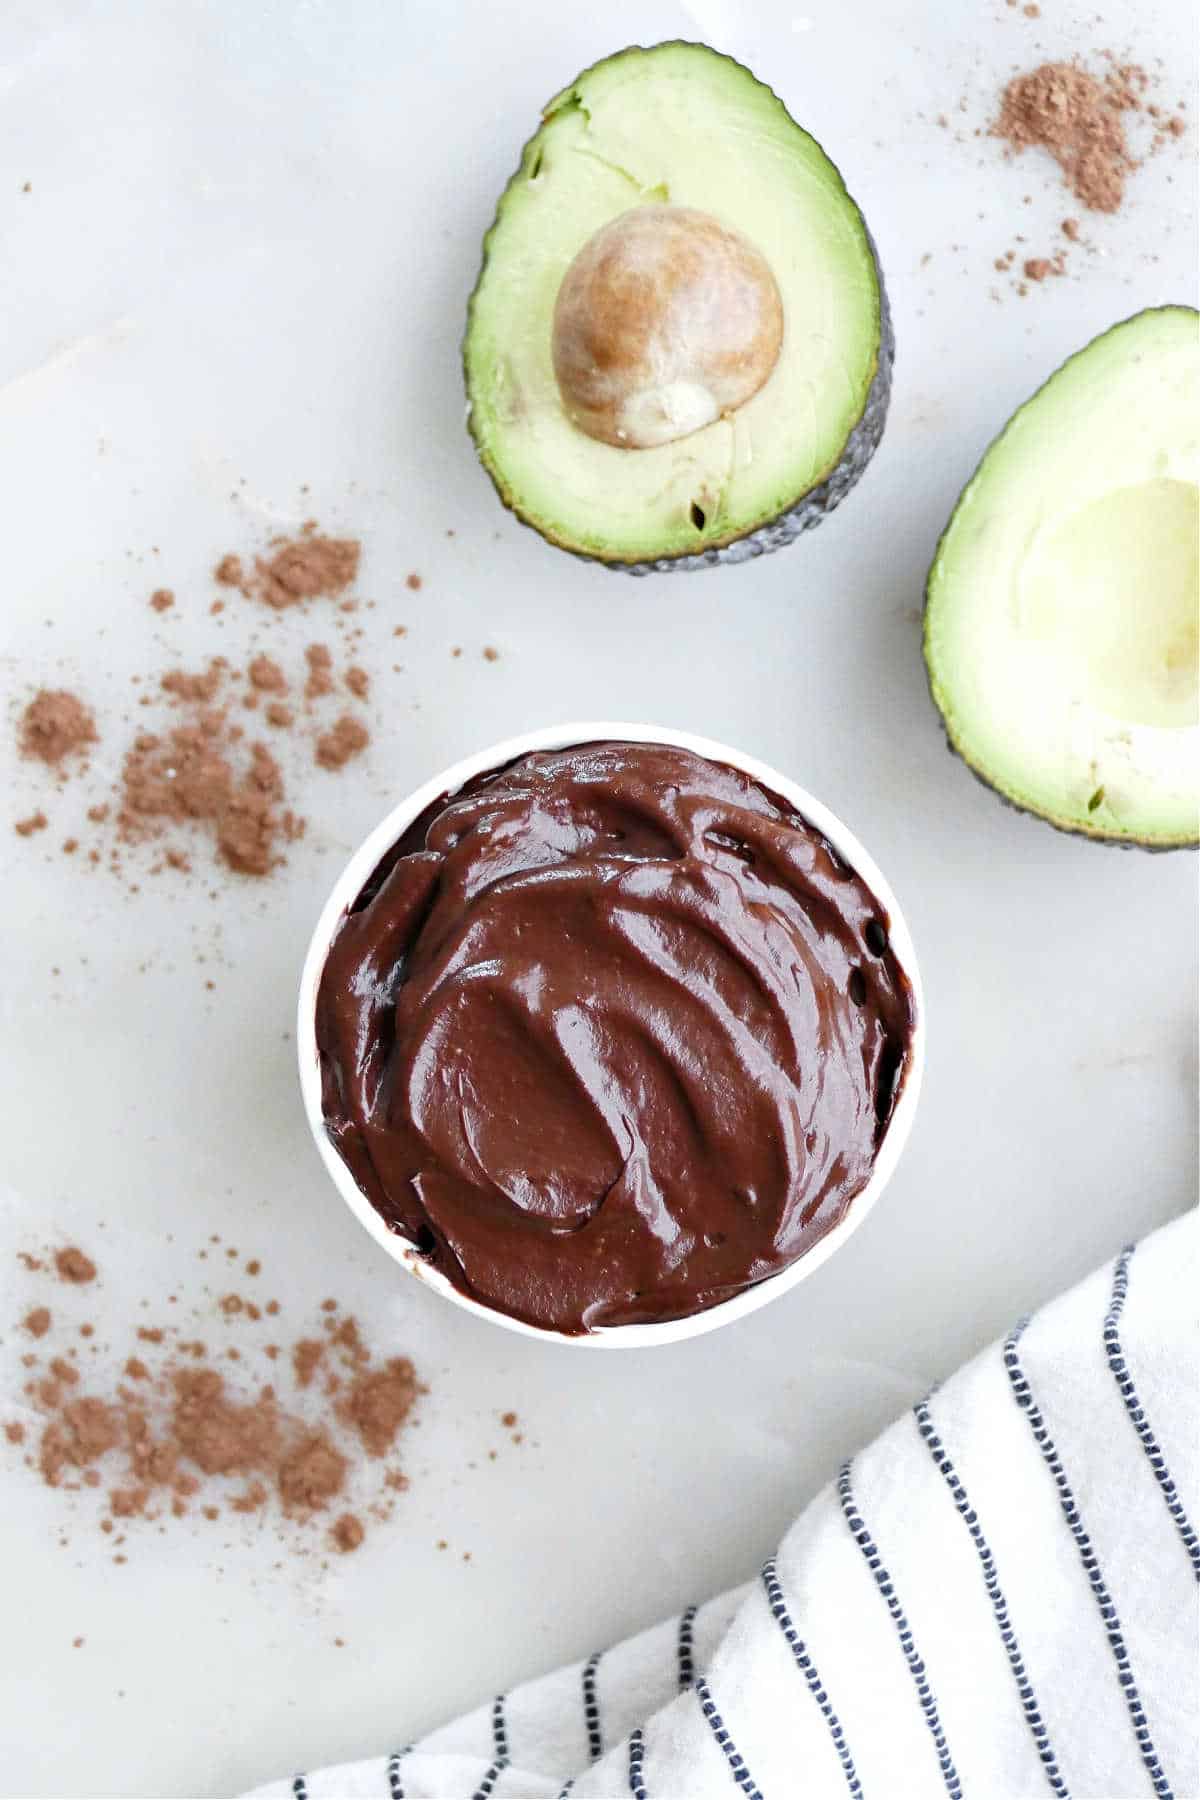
(320, 672)
(348, 1533)
(72, 1265)
(187, 777)
(253, 1497)
(1077, 118)
(196, 772)
(413, 581)
(509, 1419)
(82, 1432)
(305, 1356)
(1083, 119)
(183, 1432)
(199, 688)
(379, 1403)
(267, 676)
(490, 653)
(229, 572)
(345, 1334)
(346, 739)
(248, 828)
(312, 1474)
(308, 567)
(55, 725)
(125, 1503)
(222, 1437)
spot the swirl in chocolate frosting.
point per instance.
(611, 1034)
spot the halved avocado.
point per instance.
(1061, 610)
(678, 351)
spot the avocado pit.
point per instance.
(666, 320)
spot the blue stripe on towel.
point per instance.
(499, 1729)
(995, 1594)
(494, 1771)
(916, 1667)
(807, 1667)
(1133, 1406)
(591, 1708)
(395, 1785)
(637, 1752)
(716, 1724)
(491, 1776)
(1087, 1556)
(300, 1788)
(687, 1672)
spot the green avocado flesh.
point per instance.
(1061, 610)
(683, 125)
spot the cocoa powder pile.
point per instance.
(72, 1265)
(347, 739)
(310, 566)
(1080, 119)
(162, 1433)
(197, 773)
(55, 726)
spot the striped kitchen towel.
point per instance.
(997, 1598)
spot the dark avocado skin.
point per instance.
(813, 506)
(1068, 829)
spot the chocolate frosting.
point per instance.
(611, 1034)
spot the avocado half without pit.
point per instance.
(1061, 610)
(678, 351)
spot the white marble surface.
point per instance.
(243, 259)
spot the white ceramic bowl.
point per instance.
(350, 883)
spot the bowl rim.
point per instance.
(446, 783)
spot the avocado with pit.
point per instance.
(678, 351)
(1061, 609)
